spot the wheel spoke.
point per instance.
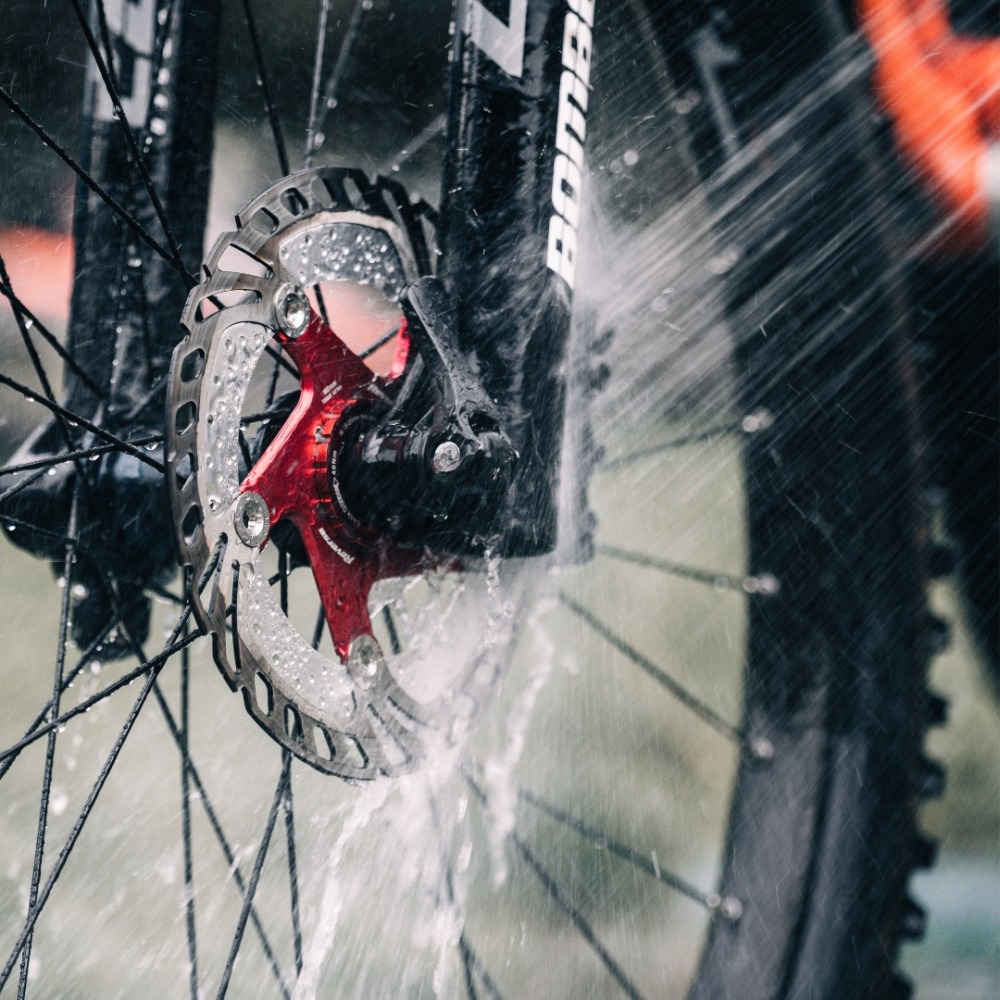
(121, 212)
(258, 866)
(152, 668)
(730, 908)
(75, 418)
(317, 81)
(762, 583)
(50, 750)
(559, 897)
(154, 663)
(680, 692)
(265, 88)
(424, 136)
(75, 455)
(679, 442)
(126, 129)
(189, 915)
(23, 315)
(223, 841)
(381, 342)
(8, 762)
(293, 869)
(336, 78)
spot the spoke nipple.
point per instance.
(764, 584)
(446, 457)
(731, 908)
(759, 420)
(761, 748)
(292, 308)
(251, 519)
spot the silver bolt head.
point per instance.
(447, 457)
(364, 659)
(251, 519)
(292, 307)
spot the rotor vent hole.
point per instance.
(354, 753)
(354, 194)
(394, 752)
(293, 723)
(320, 191)
(321, 739)
(219, 301)
(185, 417)
(184, 472)
(236, 260)
(193, 365)
(191, 524)
(263, 694)
(264, 221)
(294, 202)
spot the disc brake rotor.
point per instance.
(347, 713)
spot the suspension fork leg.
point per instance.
(510, 217)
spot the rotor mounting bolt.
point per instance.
(364, 657)
(252, 519)
(446, 457)
(292, 307)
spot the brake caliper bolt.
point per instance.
(252, 519)
(446, 457)
(292, 307)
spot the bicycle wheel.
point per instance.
(628, 785)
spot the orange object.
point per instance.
(943, 93)
(40, 266)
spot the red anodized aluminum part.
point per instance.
(943, 93)
(292, 476)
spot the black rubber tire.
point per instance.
(822, 830)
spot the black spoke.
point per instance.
(258, 866)
(7, 763)
(321, 303)
(472, 965)
(283, 579)
(390, 624)
(121, 212)
(293, 868)
(223, 841)
(317, 81)
(50, 750)
(265, 87)
(16, 522)
(336, 77)
(680, 442)
(36, 361)
(763, 583)
(126, 129)
(381, 342)
(73, 456)
(730, 908)
(189, 916)
(32, 322)
(154, 664)
(317, 636)
(680, 692)
(75, 418)
(559, 897)
(417, 143)
(153, 667)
